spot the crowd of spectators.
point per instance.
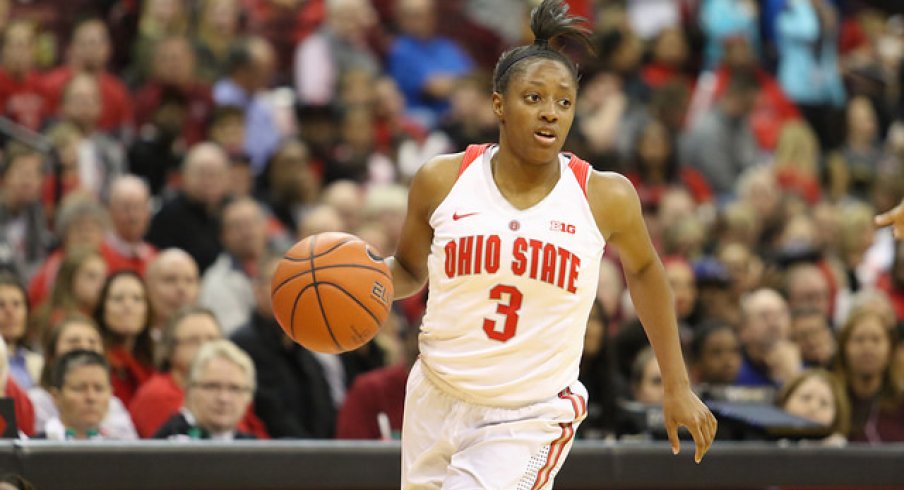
(159, 156)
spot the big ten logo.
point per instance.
(378, 291)
(563, 227)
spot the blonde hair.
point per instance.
(226, 350)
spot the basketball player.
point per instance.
(509, 238)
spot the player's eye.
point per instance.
(532, 98)
(566, 103)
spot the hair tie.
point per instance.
(541, 42)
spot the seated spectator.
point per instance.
(813, 334)
(22, 95)
(76, 332)
(249, 75)
(770, 357)
(293, 396)
(159, 148)
(20, 209)
(226, 286)
(163, 395)
(715, 355)
(172, 283)
(80, 386)
(819, 397)
(197, 207)
(865, 345)
(218, 32)
(24, 410)
(597, 374)
(424, 64)
(159, 19)
(219, 390)
(645, 393)
(88, 53)
(291, 185)
(807, 288)
(80, 223)
(76, 289)
(122, 314)
(129, 206)
(24, 364)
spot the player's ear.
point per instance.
(497, 106)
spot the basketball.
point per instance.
(331, 292)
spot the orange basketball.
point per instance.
(331, 292)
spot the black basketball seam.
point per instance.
(356, 300)
(321, 254)
(295, 306)
(326, 321)
(334, 266)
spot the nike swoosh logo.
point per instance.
(456, 216)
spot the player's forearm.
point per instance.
(654, 303)
(404, 282)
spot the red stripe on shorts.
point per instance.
(558, 446)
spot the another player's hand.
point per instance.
(893, 217)
(684, 408)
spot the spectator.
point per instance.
(816, 395)
(226, 287)
(425, 65)
(324, 58)
(221, 384)
(81, 390)
(122, 314)
(355, 155)
(101, 158)
(130, 211)
(75, 290)
(162, 395)
(24, 364)
(721, 144)
(251, 67)
(770, 358)
(88, 52)
(197, 207)
(853, 169)
(25, 414)
(172, 283)
(807, 288)
(173, 69)
(75, 332)
(159, 20)
(865, 345)
(715, 354)
(24, 237)
(722, 20)
(22, 95)
(807, 37)
(216, 35)
(81, 223)
(597, 373)
(159, 147)
(811, 331)
(293, 396)
(292, 186)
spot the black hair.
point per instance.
(73, 359)
(703, 334)
(239, 56)
(12, 280)
(549, 22)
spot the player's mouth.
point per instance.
(545, 136)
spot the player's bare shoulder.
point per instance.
(433, 181)
(613, 200)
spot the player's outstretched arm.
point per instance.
(616, 208)
(430, 185)
(893, 217)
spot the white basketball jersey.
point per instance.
(510, 290)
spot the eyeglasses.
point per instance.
(232, 389)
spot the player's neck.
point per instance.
(514, 174)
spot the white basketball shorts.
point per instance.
(451, 444)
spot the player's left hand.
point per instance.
(684, 408)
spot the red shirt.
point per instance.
(25, 411)
(127, 373)
(771, 109)
(24, 100)
(372, 393)
(117, 103)
(41, 284)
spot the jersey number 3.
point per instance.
(508, 309)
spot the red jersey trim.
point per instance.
(581, 171)
(471, 154)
